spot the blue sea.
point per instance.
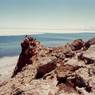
(10, 47)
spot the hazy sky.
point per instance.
(46, 15)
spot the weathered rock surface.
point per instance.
(64, 70)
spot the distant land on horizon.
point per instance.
(52, 33)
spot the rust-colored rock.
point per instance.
(64, 70)
(91, 41)
(85, 59)
(77, 44)
(44, 69)
(30, 48)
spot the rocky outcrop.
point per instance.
(64, 70)
(30, 48)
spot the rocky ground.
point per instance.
(64, 70)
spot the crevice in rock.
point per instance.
(61, 80)
(44, 69)
(80, 82)
(85, 59)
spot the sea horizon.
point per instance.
(10, 44)
(38, 33)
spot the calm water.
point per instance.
(10, 45)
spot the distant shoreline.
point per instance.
(38, 33)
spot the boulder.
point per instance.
(77, 44)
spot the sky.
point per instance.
(36, 16)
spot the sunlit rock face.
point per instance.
(64, 70)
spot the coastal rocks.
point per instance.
(73, 80)
(27, 74)
(90, 53)
(30, 47)
(35, 87)
(41, 87)
(91, 41)
(44, 69)
(88, 56)
(77, 44)
(86, 59)
(64, 70)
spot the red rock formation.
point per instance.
(59, 68)
(30, 47)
